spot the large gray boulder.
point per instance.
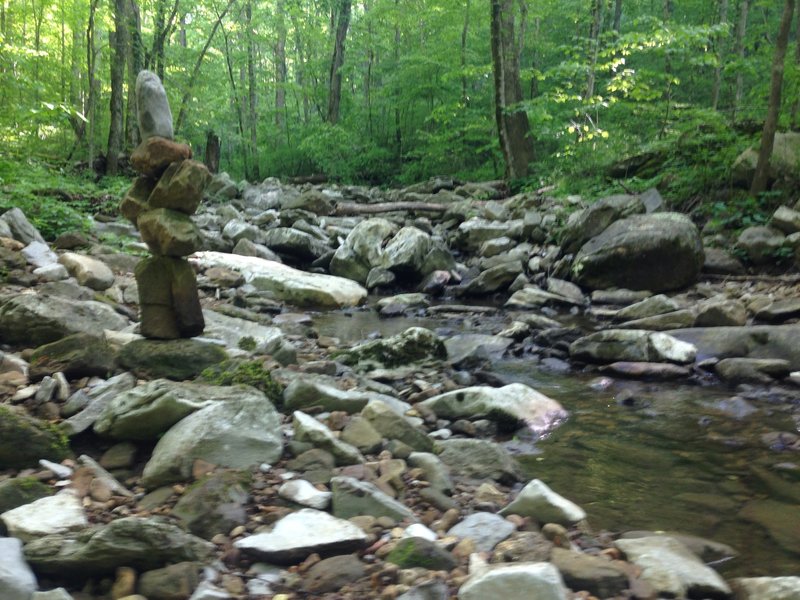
(287, 284)
(657, 252)
(516, 402)
(20, 228)
(238, 433)
(361, 250)
(141, 543)
(24, 440)
(60, 513)
(632, 345)
(538, 501)
(478, 459)
(413, 345)
(34, 320)
(585, 224)
(296, 244)
(761, 244)
(352, 497)
(521, 581)
(766, 588)
(155, 117)
(783, 164)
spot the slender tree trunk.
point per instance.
(280, 66)
(162, 26)
(300, 68)
(464, 33)
(196, 70)
(774, 107)
(335, 78)
(135, 64)
(252, 112)
(212, 152)
(667, 10)
(795, 120)
(236, 100)
(91, 65)
(182, 31)
(63, 51)
(119, 43)
(741, 31)
(512, 123)
(398, 134)
(594, 46)
(535, 58)
(723, 20)
(617, 16)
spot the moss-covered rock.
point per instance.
(215, 504)
(170, 359)
(21, 490)
(24, 440)
(413, 345)
(418, 552)
(78, 355)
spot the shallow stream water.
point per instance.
(672, 457)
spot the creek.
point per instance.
(639, 455)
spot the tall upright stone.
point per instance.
(160, 204)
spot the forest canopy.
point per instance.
(396, 91)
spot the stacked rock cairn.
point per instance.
(160, 204)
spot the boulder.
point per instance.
(657, 252)
(170, 359)
(17, 491)
(140, 543)
(515, 403)
(60, 513)
(295, 244)
(720, 312)
(172, 582)
(96, 398)
(361, 250)
(287, 284)
(405, 254)
(632, 345)
(306, 393)
(147, 411)
(20, 228)
(78, 355)
(38, 254)
(521, 581)
(783, 163)
(721, 262)
(492, 280)
(413, 552)
(590, 222)
(168, 299)
(766, 588)
(786, 220)
(315, 201)
(413, 345)
(17, 581)
(486, 530)
(464, 350)
(237, 434)
(214, 505)
(538, 501)
(302, 533)
(24, 440)
(672, 570)
(169, 232)
(308, 429)
(478, 459)
(305, 494)
(33, 320)
(595, 574)
(760, 244)
(181, 187)
(331, 574)
(155, 117)
(393, 426)
(352, 498)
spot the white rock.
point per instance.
(308, 429)
(60, 471)
(56, 594)
(302, 533)
(17, 581)
(672, 349)
(154, 115)
(208, 591)
(523, 581)
(39, 254)
(53, 514)
(288, 284)
(303, 492)
(88, 271)
(671, 568)
(485, 529)
(767, 588)
(231, 331)
(538, 501)
(419, 530)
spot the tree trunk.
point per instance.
(795, 120)
(280, 66)
(512, 123)
(119, 43)
(335, 78)
(398, 133)
(135, 64)
(464, 32)
(198, 63)
(162, 27)
(723, 20)
(594, 46)
(617, 15)
(236, 100)
(212, 152)
(774, 107)
(91, 69)
(251, 92)
(741, 31)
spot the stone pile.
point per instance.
(160, 204)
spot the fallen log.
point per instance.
(352, 208)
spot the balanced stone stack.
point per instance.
(160, 204)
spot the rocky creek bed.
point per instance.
(422, 393)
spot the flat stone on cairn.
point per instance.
(160, 204)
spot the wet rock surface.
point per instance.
(410, 442)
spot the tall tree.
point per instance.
(598, 10)
(512, 122)
(723, 21)
(617, 15)
(795, 118)
(119, 43)
(135, 64)
(280, 65)
(252, 115)
(741, 32)
(774, 107)
(337, 61)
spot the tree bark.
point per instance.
(91, 69)
(723, 20)
(162, 28)
(594, 46)
(335, 78)
(135, 64)
(617, 15)
(236, 100)
(741, 31)
(119, 43)
(464, 33)
(795, 119)
(774, 107)
(512, 123)
(212, 152)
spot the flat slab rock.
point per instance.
(302, 533)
